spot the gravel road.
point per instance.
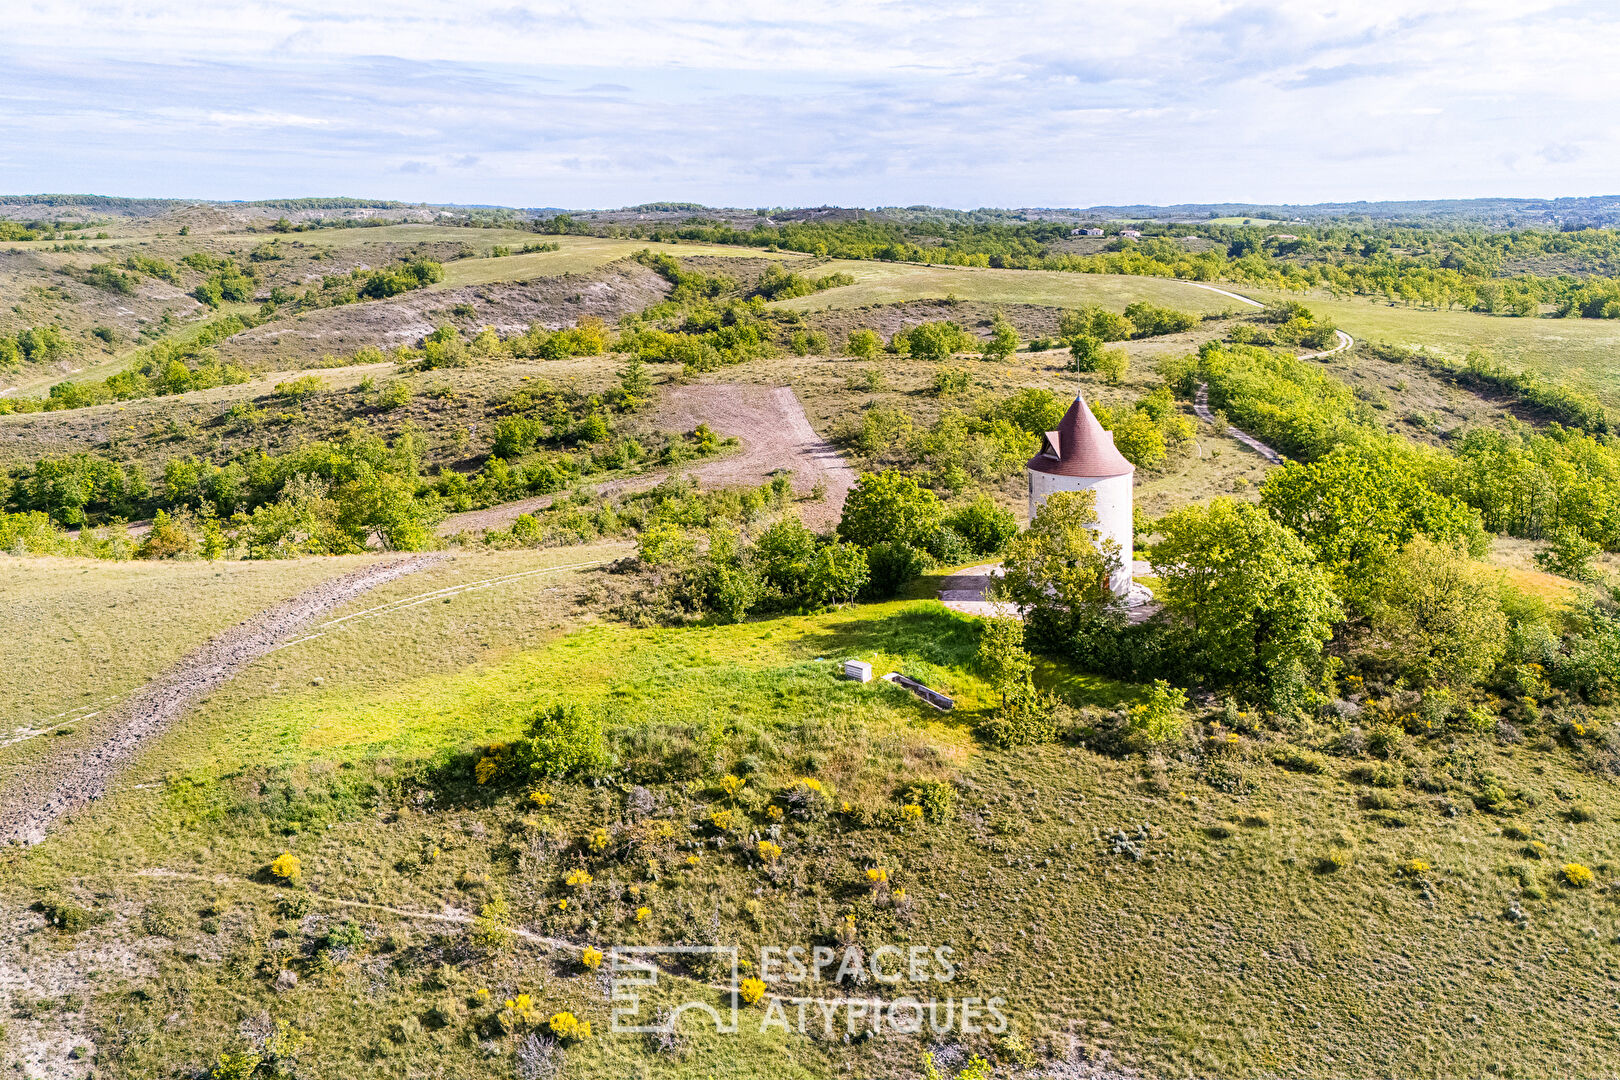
(33, 803)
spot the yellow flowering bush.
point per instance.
(598, 840)
(1413, 868)
(562, 905)
(486, 769)
(565, 1025)
(731, 785)
(693, 861)
(810, 782)
(578, 878)
(768, 852)
(898, 896)
(723, 819)
(591, 958)
(773, 812)
(540, 798)
(642, 913)
(518, 1013)
(287, 867)
(877, 876)
(1576, 876)
(752, 990)
(911, 813)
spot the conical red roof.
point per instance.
(1080, 447)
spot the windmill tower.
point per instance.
(1080, 456)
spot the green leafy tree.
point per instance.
(1001, 657)
(1058, 569)
(1255, 606)
(889, 506)
(1003, 339)
(1440, 619)
(1356, 508)
(864, 344)
(1085, 352)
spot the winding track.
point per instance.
(76, 776)
(1201, 399)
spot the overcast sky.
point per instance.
(873, 103)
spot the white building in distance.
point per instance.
(1080, 456)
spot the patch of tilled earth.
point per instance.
(33, 803)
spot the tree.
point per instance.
(1003, 339)
(1357, 507)
(1006, 666)
(1085, 352)
(1112, 365)
(936, 340)
(1058, 569)
(864, 344)
(889, 506)
(1440, 619)
(1256, 607)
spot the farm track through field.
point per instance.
(775, 435)
(34, 802)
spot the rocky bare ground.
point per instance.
(33, 803)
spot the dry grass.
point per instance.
(892, 283)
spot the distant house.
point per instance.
(1085, 232)
(1094, 232)
(1131, 233)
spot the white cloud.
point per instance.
(892, 101)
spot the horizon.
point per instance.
(1042, 106)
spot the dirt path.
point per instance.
(775, 434)
(34, 802)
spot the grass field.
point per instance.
(892, 283)
(1221, 947)
(1581, 352)
(80, 633)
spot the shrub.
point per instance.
(293, 905)
(287, 867)
(1225, 775)
(950, 381)
(1297, 760)
(1581, 812)
(67, 916)
(752, 990)
(233, 1066)
(1378, 800)
(1413, 868)
(1159, 719)
(768, 852)
(983, 525)
(864, 344)
(1336, 859)
(936, 797)
(565, 1025)
(591, 958)
(1027, 718)
(563, 740)
(1576, 876)
(892, 565)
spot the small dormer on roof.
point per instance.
(1080, 447)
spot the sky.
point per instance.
(883, 102)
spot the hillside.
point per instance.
(403, 617)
